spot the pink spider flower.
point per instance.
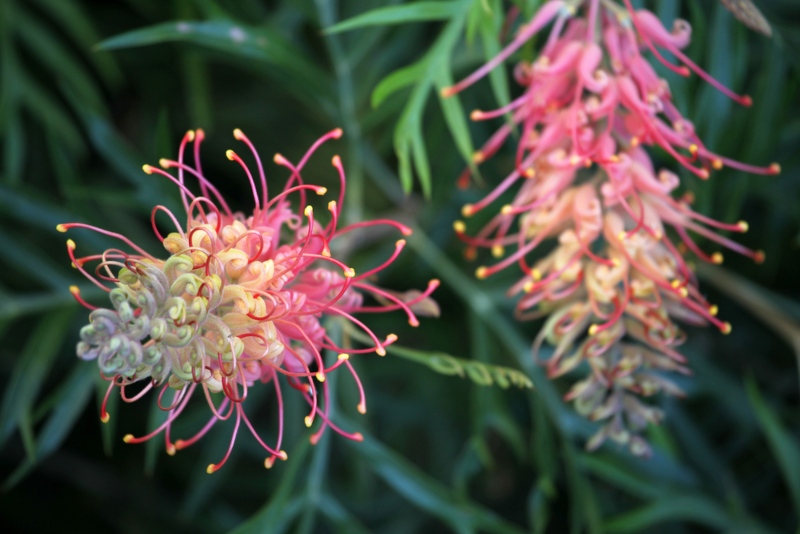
(241, 300)
(615, 278)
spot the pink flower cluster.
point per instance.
(241, 300)
(615, 278)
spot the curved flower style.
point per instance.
(615, 279)
(240, 300)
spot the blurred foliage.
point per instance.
(89, 91)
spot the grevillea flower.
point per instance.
(240, 300)
(615, 278)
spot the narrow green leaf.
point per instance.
(481, 373)
(73, 396)
(341, 519)
(54, 56)
(402, 14)
(693, 508)
(427, 493)
(785, 449)
(396, 81)
(77, 24)
(32, 369)
(279, 510)
(238, 41)
(455, 118)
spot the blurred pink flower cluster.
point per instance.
(241, 300)
(615, 275)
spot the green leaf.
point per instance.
(237, 40)
(693, 508)
(279, 510)
(73, 395)
(31, 369)
(427, 493)
(481, 373)
(413, 12)
(396, 81)
(785, 449)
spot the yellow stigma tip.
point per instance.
(362, 408)
(621, 236)
(380, 351)
(713, 310)
(61, 228)
(675, 283)
(530, 173)
(467, 210)
(190, 135)
(237, 134)
(211, 468)
(350, 273)
(75, 290)
(459, 227)
(498, 251)
(400, 243)
(693, 148)
(528, 286)
(743, 226)
(717, 164)
(478, 157)
(332, 205)
(321, 376)
(344, 356)
(447, 92)
(593, 329)
(775, 168)
(171, 449)
(309, 211)
(717, 258)
(105, 418)
(683, 292)
(322, 190)
(163, 163)
(127, 438)
(279, 159)
(507, 209)
(70, 244)
(283, 456)
(336, 161)
(337, 133)
(635, 142)
(230, 154)
(476, 115)
(308, 421)
(391, 338)
(536, 274)
(269, 462)
(147, 169)
(759, 256)
(480, 273)
(726, 328)
(358, 436)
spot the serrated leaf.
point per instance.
(32, 369)
(413, 12)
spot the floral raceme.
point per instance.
(239, 301)
(615, 277)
